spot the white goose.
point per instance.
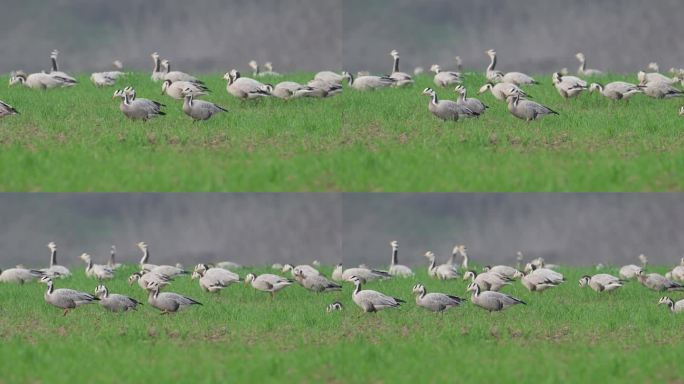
(55, 270)
(97, 271)
(267, 283)
(395, 268)
(442, 271)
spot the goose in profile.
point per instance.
(517, 78)
(168, 302)
(629, 272)
(111, 263)
(472, 104)
(157, 73)
(166, 270)
(657, 282)
(654, 77)
(435, 302)
(97, 271)
(527, 110)
(660, 90)
(255, 68)
(267, 283)
(105, 79)
(401, 79)
(502, 91)
(316, 283)
(509, 273)
(601, 282)
(538, 267)
(445, 110)
(115, 302)
(138, 108)
(144, 260)
(442, 271)
(306, 269)
(7, 110)
(674, 307)
(677, 273)
(372, 301)
(145, 278)
(617, 90)
(568, 86)
(245, 88)
(229, 265)
(290, 90)
(19, 275)
(335, 306)
(365, 274)
(176, 89)
(487, 281)
(66, 299)
(330, 77)
(491, 73)
(199, 109)
(55, 270)
(175, 76)
(395, 268)
(39, 80)
(368, 83)
(323, 88)
(214, 279)
(445, 78)
(490, 300)
(55, 68)
(583, 70)
(541, 279)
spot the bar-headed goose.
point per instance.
(316, 283)
(526, 109)
(55, 68)
(472, 104)
(445, 78)
(105, 79)
(322, 88)
(138, 109)
(677, 273)
(491, 73)
(244, 87)
(401, 78)
(67, 299)
(617, 90)
(39, 80)
(517, 78)
(267, 283)
(175, 76)
(365, 274)
(168, 302)
(335, 306)
(442, 271)
(199, 109)
(96, 271)
(55, 270)
(446, 110)
(601, 282)
(654, 77)
(490, 300)
(502, 91)
(19, 275)
(657, 282)
(157, 73)
(368, 83)
(504, 270)
(7, 110)
(329, 77)
(660, 90)
(583, 70)
(487, 281)
(435, 302)
(145, 278)
(111, 263)
(176, 89)
(306, 269)
(674, 307)
(214, 279)
(115, 302)
(372, 301)
(269, 70)
(395, 268)
(568, 86)
(290, 90)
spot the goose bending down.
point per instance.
(168, 302)
(19, 275)
(490, 300)
(55, 68)
(601, 282)
(115, 302)
(267, 283)
(472, 104)
(368, 83)
(487, 281)
(105, 79)
(316, 283)
(214, 279)
(568, 86)
(138, 108)
(372, 301)
(657, 282)
(55, 270)
(401, 79)
(97, 271)
(111, 263)
(445, 78)
(442, 271)
(504, 270)
(502, 91)
(660, 90)
(541, 279)
(435, 302)
(582, 70)
(395, 268)
(517, 78)
(365, 274)
(538, 268)
(527, 110)
(335, 306)
(307, 270)
(244, 87)
(446, 110)
(677, 273)
(330, 77)
(674, 307)
(323, 88)
(67, 299)
(175, 76)
(629, 272)
(176, 89)
(7, 110)
(199, 109)
(654, 77)
(290, 90)
(145, 278)
(617, 90)
(39, 80)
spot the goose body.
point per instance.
(368, 83)
(502, 91)
(654, 77)
(660, 90)
(145, 278)
(445, 78)
(372, 301)
(55, 68)
(199, 109)
(583, 70)
(267, 282)
(487, 281)
(617, 90)
(395, 268)
(115, 302)
(105, 79)
(527, 110)
(629, 272)
(66, 299)
(111, 263)
(55, 270)
(329, 77)
(178, 89)
(568, 86)
(442, 271)
(7, 110)
(490, 300)
(316, 283)
(244, 87)
(96, 271)
(168, 270)
(306, 269)
(138, 108)
(445, 110)
(401, 79)
(214, 279)
(19, 275)
(435, 302)
(656, 282)
(290, 90)
(677, 273)
(365, 274)
(322, 88)
(677, 307)
(40, 80)
(175, 76)
(471, 104)
(505, 271)
(168, 302)
(601, 282)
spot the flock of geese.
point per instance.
(485, 286)
(504, 86)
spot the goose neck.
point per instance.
(51, 287)
(157, 65)
(435, 101)
(395, 68)
(145, 256)
(55, 68)
(53, 257)
(492, 63)
(395, 253)
(357, 287)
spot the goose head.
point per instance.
(130, 91)
(196, 275)
(513, 98)
(336, 306)
(269, 66)
(474, 288)
(287, 268)
(460, 249)
(134, 277)
(154, 55)
(418, 289)
(165, 85)
(253, 64)
(85, 257)
(46, 280)
(187, 92)
(529, 267)
(584, 280)
(153, 286)
(394, 53)
(52, 246)
(435, 68)
(486, 268)
(142, 245)
(394, 244)
(580, 56)
(118, 94)
(519, 256)
(641, 76)
(355, 279)
(643, 259)
(665, 300)
(227, 76)
(595, 87)
(490, 52)
(18, 77)
(200, 267)
(469, 275)
(485, 88)
(459, 89)
(249, 278)
(100, 290)
(653, 66)
(429, 255)
(428, 91)
(166, 64)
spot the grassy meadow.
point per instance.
(77, 140)
(564, 334)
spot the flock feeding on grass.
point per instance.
(505, 86)
(484, 287)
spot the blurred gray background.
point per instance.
(310, 35)
(260, 229)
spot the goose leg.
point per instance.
(66, 310)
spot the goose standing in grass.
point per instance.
(199, 109)
(19, 275)
(372, 301)
(435, 302)
(401, 78)
(445, 110)
(657, 282)
(660, 90)
(472, 104)
(316, 283)
(617, 90)
(490, 300)
(517, 78)
(145, 278)
(7, 110)
(267, 283)
(306, 269)
(582, 70)
(541, 279)
(442, 271)
(175, 76)
(138, 108)
(290, 90)
(330, 77)
(629, 272)
(677, 273)
(365, 274)
(568, 86)
(601, 282)
(55, 68)
(487, 281)
(395, 268)
(491, 73)
(501, 91)
(67, 299)
(527, 110)
(255, 68)
(97, 271)
(368, 83)
(245, 88)
(335, 306)
(168, 302)
(323, 88)
(144, 260)
(55, 270)
(509, 273)
(176, 89)
(674, 307)
(214, 279)
(115, 302)
(39, 80)
(111, 263)
(445, 78)
(157, 73)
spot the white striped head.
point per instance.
(430, 255)
(336, 306)
(269, 66)
(428, 91)
(557, 77)
(165, 63)
(473, 287)
(435, 68)
(580, 56)
(153, 286)
(85, 257)
(52, 246)
(418, 289)
(469, 275)
(249, 278)
(287, 268)
(235, 74)
(142, 245)
(394, 244)
(227, 76)
(490, 52)
(18, 77)
(666, 300)
(188, 92)
(118, 93)
(196, 275)
(46, 279)
(130, 91)
(595, 87)
(134, 277)
(460, 89)
(101, 290)
(355, 279)
(165, 85)
(485, 88)
(394, 53)
(253, 64)
(529, 267)
(584, 281)
(201, 268)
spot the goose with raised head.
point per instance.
(395, 268)
(267, 283)
(96, 271)
(7, 110)
(601, 282)
(316, 283)
(55, 270)
(527, 110)
(144, 260)
(490, 300)
(39, 80)
(487, 281)
(55, 68)
(306, 269)
(617, 90)
(401, 79)
(175, 76)
(502, 91)
(145, 278)
(472, 103)
(583, 70)
(368, 83)
(111, 262)
(568, 86)
(199, 109)
(255, 68)
(366, 274)
(517, 78)
(19, 275)
(446, 110)
(435, 302)
(442, 271)
(157, 73)
(168, 302)
(115, 302)
(245, 88)
(674, 307)
(330, 77)
(504, 270)
(657, 282)
(491, 73)
(445, 78)
(66, 299)
(335, 306)
(660, 90)
(138, 108)
(269, 70)
(372, 301)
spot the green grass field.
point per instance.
(77, 140)
(565, 334)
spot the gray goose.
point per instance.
(168, 302)
(199, 109)
(490, 300)
(138, 109)
(7, 110)
(435, 302)
(372, 301)
(526, 109)
(67, 299)
(115, 302)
